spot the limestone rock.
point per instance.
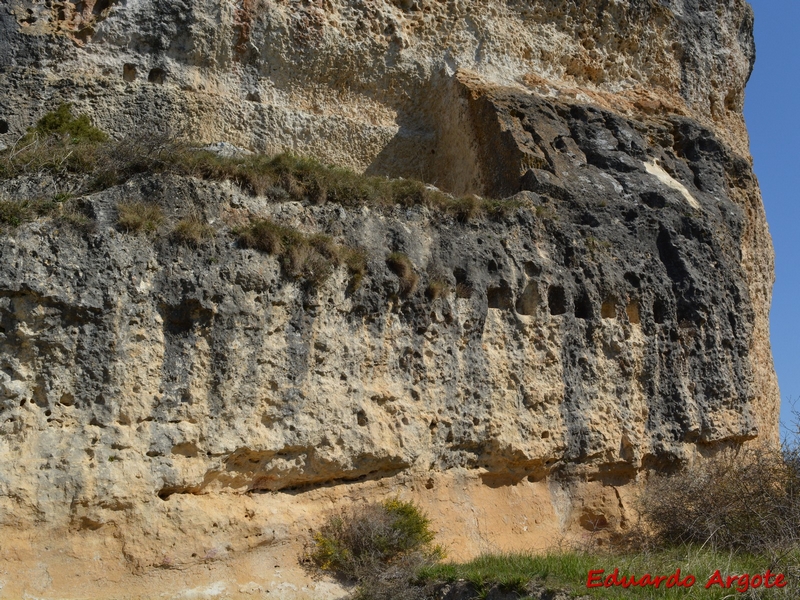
(178, 418)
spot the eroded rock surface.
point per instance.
(173, 414)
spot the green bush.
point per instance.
(381, 546)
(62, 123)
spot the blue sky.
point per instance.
(772, 111)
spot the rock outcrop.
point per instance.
(174, 419)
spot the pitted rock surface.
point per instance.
(174, 420)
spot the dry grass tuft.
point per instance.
(463, 290)
(139, 216)
(401, 265)
(311, 258)
(193, 231)
(438, 287)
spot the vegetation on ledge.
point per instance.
(63, 145)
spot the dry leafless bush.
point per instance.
(746, 500)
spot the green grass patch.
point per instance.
(15, 213)
(570, 571)
(62, 123)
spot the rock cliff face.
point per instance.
(174, 419)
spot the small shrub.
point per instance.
(465, 208)
(73, 213)
(139, 216)
(266, 236)
(13, 214)
(192, 231)
(379, 546)
(61, 122)
(400, 265)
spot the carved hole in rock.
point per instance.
(569, 256)
(556, 300)
(670, 256)
(28, 20)
(593, 522)
(653, 199)
(85, 34)
(500, 297)
(609, 308)
(688, 314)
(129, 72)
(528, 301)
(97, 7)
(3, 126)
(583, 307)
(545, 435)
(182, 318)
(253, 97)
(187, 449)
(590, 220)
(492, 266)
(362, 418)
(659, 311)
(165, 493)
(532, 269)
(156, 76)
(632, 310)
(633, 279)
